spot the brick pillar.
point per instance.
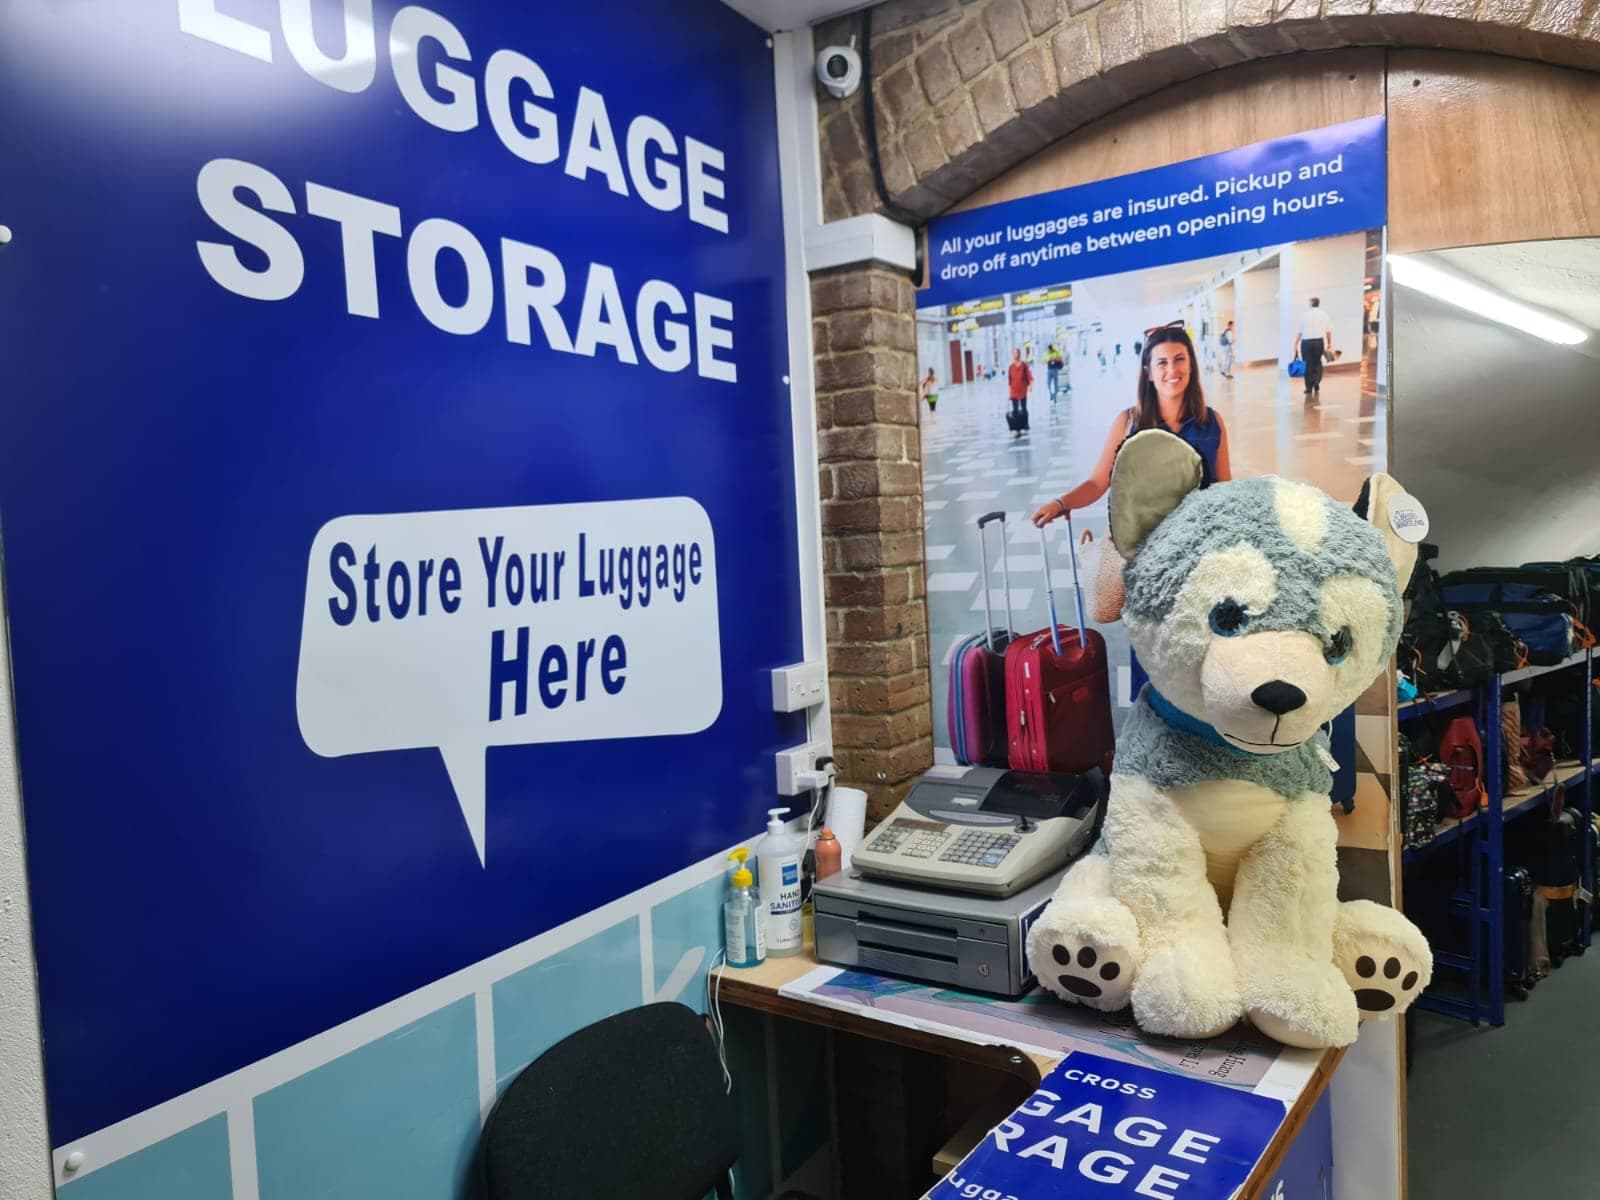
(870, 452)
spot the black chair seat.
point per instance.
(632, 1108)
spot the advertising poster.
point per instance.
(397, 494)
(1243, 1057)
(1249, 252)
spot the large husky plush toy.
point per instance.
(1260, 609)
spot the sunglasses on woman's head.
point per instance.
(1158, 328)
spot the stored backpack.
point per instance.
(1425, 789)
(1537, 755)
(1461, 752)
(1428, 633)
(1455, 651)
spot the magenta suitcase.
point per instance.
(1058, 691)
(975, 710)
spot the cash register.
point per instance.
(983, 829)
(945, 888)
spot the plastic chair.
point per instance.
(631, 1107)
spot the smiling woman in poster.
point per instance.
(1170, 397)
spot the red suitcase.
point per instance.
(1058, 691)
(976, 707)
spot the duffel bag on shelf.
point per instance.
(1587, 572)
(1567, 580)
(1541, 620)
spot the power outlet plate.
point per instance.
(798, 687)
(795, 762)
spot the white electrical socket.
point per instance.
(797, 762)
(799, 686)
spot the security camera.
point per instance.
(839, 70)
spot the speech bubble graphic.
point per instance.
(472, 628)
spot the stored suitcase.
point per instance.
(976, 708)
(1558, 875)
(1517, 897)
(1058, 691)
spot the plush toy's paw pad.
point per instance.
(1086, 950)
(1096, 974)
(1378, 994)
(1383, 957)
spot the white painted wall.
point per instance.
(1496, 432)
(1256, 318)
(24, 1146)
(1368, 1091)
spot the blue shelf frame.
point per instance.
(1483, 900)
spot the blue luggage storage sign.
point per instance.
(366, 580)
(1132, 1130)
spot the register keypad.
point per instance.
(891, 837)
(977, 848)
(925, 843)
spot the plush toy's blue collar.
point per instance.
(1184, 723)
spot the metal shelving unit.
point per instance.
(1482, 901)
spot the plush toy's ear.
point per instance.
(1398, 516)
(1152, 473)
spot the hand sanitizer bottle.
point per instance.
(779, 859)
(744, 932)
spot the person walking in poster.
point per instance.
(930, 394)
(1227, 351)
(1019, 380)
(1052, 369)
(1312, 340)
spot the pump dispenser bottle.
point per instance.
(779, 858)
(744, 930)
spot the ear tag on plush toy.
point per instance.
(1407, 517)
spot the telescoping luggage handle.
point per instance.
(1050, 591)
(1005, 568)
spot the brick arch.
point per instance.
(966, 89)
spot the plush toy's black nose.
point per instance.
(1278, 697)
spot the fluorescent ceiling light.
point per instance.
(1452, 289)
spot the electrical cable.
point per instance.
(870, 119)
(719, 1034)
(826, 767)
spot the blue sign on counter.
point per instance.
(397, 494)
(1131, 1130)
